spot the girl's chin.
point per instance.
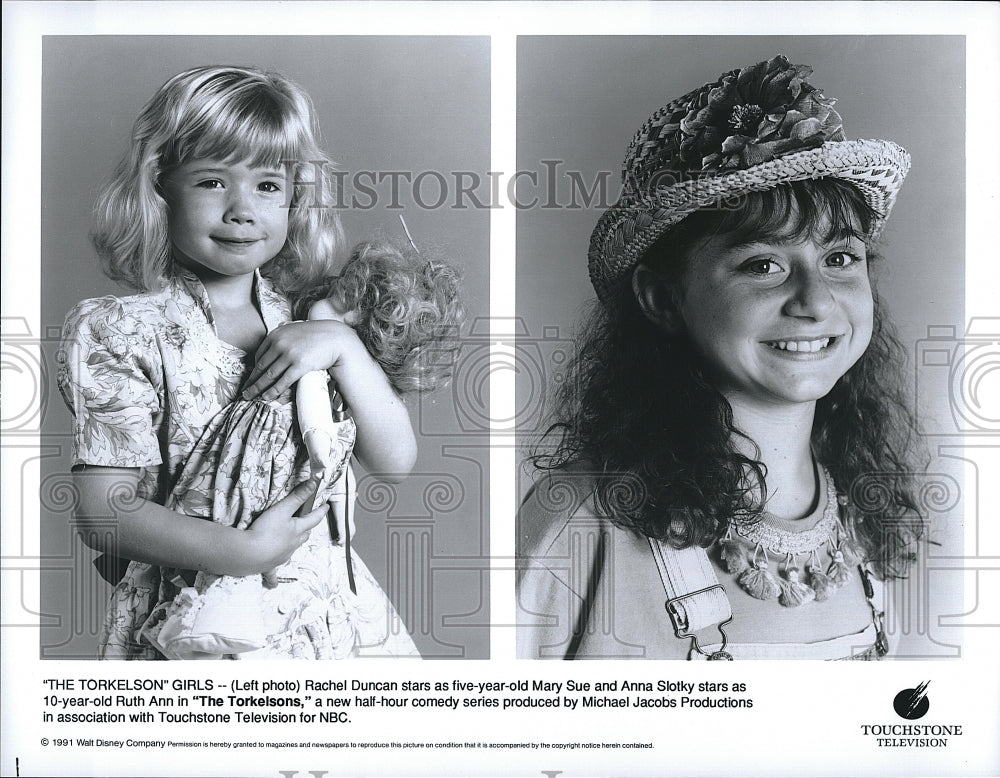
(781, 398)
(803, 395)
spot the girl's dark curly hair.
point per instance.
(638, 407)
(408, 311)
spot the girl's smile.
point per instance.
(777, 321)
(236, 244)
(801, 346)
(226, 218)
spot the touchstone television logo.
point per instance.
(912, 703)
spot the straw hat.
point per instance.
(753, 129)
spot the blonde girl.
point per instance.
(212, 216)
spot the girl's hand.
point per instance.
(293, 350)
(147, 532)
(278, 532)
(385, 444)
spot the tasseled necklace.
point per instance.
(747, 546)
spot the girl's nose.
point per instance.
(239, 209)
(811, 296)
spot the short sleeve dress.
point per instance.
(151, 386)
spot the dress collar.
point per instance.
(272, 306)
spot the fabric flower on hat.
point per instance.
(754, 114)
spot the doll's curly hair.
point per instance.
(408, 312)
(638, 406)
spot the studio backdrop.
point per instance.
(581, 100)
(406, 120)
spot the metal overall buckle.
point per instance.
(721, 654)
(878, 617)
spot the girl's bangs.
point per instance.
(260, 132)
(259, 144)
(827, 209)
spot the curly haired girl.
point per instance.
(734, 391)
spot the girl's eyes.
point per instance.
(767, 266)
(268, 187)
(760, 266)
(843, 259)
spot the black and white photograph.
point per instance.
(734, 421)
(188, 408)
(200, 423)
(358, 356)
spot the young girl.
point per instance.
(399, 305)
(209, 216)
(734, 405)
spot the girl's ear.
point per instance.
(658, 299)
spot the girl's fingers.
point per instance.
(264, 355)
(267, 380)
(300, 494)
(261, 365)
(276, 379)
(311, 519)
(263, 361)
(304, 523)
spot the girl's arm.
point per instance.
(386, 444)
(148, 532)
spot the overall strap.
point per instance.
(695, 598)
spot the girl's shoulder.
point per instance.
(557, 501)
(133, 303)
(122, 320)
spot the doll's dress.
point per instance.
(253, 460)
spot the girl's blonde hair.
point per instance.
(228, 113)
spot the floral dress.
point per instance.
(151, 386)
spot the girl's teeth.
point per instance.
(801, 345)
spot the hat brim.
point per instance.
(630, 226)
